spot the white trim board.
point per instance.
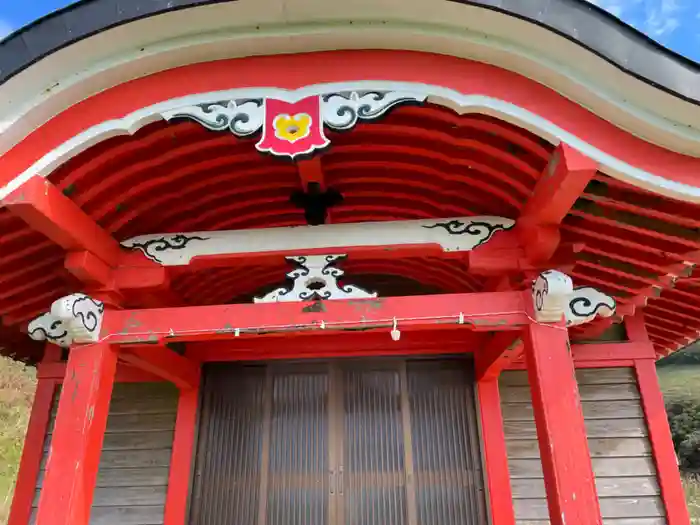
(463, 103)
(457, 234)
(267, 27)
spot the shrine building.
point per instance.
(304, 262)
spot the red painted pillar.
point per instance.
(71, 472)
(182, 457)
(566, 462)
(661, 443)
(495, 453)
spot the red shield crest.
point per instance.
(292, 128)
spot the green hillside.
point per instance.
(17, 385)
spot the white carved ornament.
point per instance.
(453, 235)
(293, 124)
(73, 319)
(315, 278)
(555, 298)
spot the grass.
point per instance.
(692, 495)
(680, 382)
(17, 386)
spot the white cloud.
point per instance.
(615, 7)
(656, 18)
(662, 17)
(5, 28)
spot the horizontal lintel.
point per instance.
(478, 312)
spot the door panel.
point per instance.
(227, 471)
(298, 486)
(372, 478)
(449, 481)
(341, 443)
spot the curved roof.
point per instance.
(578, 20)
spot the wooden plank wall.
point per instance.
(618, 439)
(133, 475)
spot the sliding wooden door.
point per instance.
(340, 443)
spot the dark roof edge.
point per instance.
(579, 21)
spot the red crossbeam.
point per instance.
(92, 254)
(43, 207)
(164, 363)
(502, 349)
(479, 312)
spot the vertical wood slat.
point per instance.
(299, 447)
(335, 454)
(265, 459)
(412, 510)
(133, 471)
(227, 468)
(622, 461)
(449, 476)
(373, 458)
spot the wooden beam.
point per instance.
(479, 312)
(495, 453)
(74, 456)
(48, 211)
(94, 256)
(494, 259)
(329, 345)
(665, 458)
(502, 349)
(164, 363)
(559, 186)
(603, 355)
(613, 351)
(32, 453)
(89, 268)
(566, 461)
(125, 373)
(636, 327)
(310, 170)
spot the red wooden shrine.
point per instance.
(327, 188)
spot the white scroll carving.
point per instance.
(242, 118)
(315, 278)
(550, 293)
(76, 318)
(586, 303)
(452, 234)
(555, 298)
(50, 328)
(341, 111)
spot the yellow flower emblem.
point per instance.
(292, 127)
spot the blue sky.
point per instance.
(674, 23)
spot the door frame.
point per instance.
(398, 363)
